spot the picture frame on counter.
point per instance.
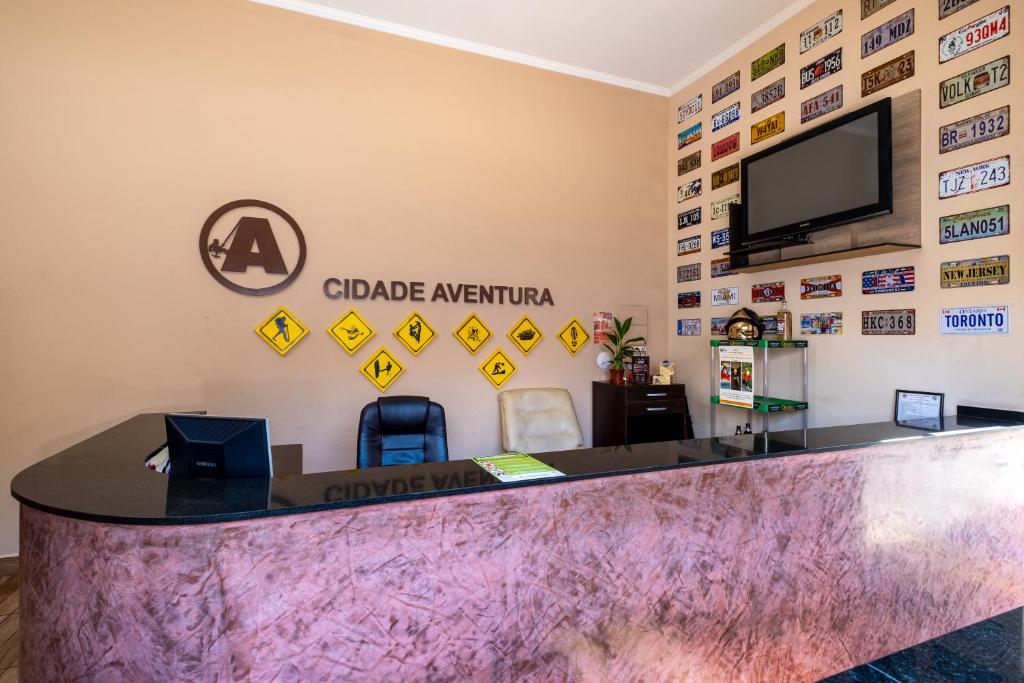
(919, 409)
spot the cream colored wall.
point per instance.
(126, 122)
(853, 377)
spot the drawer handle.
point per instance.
(657, 410)
(657, 395)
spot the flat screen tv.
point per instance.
(836, 173)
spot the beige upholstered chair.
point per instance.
(538, 421)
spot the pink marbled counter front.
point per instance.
(790, 568)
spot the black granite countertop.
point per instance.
(104, 477)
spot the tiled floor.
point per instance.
(9, 621)
(991, 651)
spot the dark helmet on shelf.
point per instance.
(744, 324)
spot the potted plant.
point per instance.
(619, 346)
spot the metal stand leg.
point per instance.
(714, 392)
(765, 394)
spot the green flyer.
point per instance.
(516, 467)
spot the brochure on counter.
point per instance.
(516, 467)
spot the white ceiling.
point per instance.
(656, 46)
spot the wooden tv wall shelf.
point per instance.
(897, 231)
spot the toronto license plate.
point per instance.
(970, 131)
(983, 175)
(979, 33)
(898, 321)
(974, 82)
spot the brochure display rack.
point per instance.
(733, 383)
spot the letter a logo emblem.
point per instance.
(252, 247)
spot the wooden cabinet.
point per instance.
(639, 414)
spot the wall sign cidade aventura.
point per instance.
(444, 292)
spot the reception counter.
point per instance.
(733, 558)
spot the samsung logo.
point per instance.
(206, 463)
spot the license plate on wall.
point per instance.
(890, 73)
(822, 323)
(720, 267)
(979, 33)
(688, 299)
(725, 147)
(970, 131)
(768, 95)
(691, 108)
(888, 33)
(688, 273)
(688, 163)
(888, 280)
(768, 292)
(720, 238)
(689, 245)
(826, 102)
(688, 191)
(771, 126)
(974, 225)
(719, 327)
(821, 287)
(725, 87)
(826, 28)
(948, 7)
(821, 69)
(725, 296)
(725, 176)
(688, 219)
(974, 82)
(689, 327)
(690, 135)
(974, 320)
(869, 7)
(720, 208)
(983, 175)
(896, 322)
(975, 272)
(769, 61)
(725, 117)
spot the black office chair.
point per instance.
(402, 430)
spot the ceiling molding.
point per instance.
(316, 10)
(744, 42)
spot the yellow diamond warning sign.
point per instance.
(525, 335)
(415, 333)
(472, 333)
(382, 369)
(574, 336)
(350, 331)
(282, 331)
(498, 368)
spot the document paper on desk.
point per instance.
(516, 467)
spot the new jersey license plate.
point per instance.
(975, 272)
(983, 175)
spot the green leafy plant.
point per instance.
(618, 345)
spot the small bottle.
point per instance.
(747, 429)
(784, 320)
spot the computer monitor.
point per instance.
(218, 447)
